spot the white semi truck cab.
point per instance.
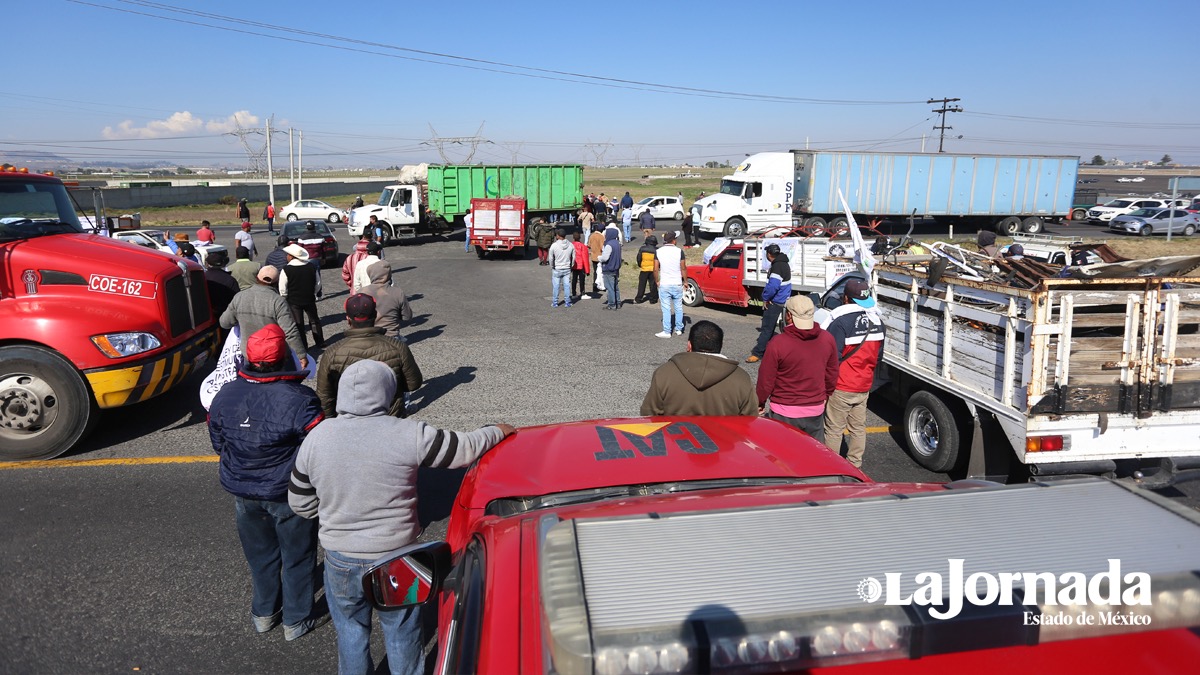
(755, 198)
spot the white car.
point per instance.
(1135, 179)
(313, 209)
(157, 240)
(660, 207)
(1122, 206)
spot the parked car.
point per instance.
(314, 209)
(1122, 206)
(660, 207)
(1131, 179)
(320, 242)
(1156, 221)
(157, 240)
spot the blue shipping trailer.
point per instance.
(1008, 193)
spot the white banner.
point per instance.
(226, 370)
(862, 254)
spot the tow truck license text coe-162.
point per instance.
(118, 286)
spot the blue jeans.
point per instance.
(670, 298)
(351, 616)
(281, 549)
(610, 284)
(628, 225)
(560, 279)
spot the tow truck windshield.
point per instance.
(515, 505)
(34, 208)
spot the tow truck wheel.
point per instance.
(692, 295)
(1008, 226)
(931, 432)
(735, 228)
(292, 217)
(45, 406)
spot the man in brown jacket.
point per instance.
(391, 304)
(701, 381)
(364, 341)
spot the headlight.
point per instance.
(120, 345)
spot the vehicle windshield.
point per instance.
(385, 197)
(297, 229)
(514, 505)
(35, 208)
(157, 235)
(647, 200)
(1120, 203)
(1144, 212)
(732, 187)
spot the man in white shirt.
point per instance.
(362, 278)
(670, 271)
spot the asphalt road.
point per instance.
(122, 556)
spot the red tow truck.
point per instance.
(86, 322)
(740, 544)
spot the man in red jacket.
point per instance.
(858, 332)
(799, 371)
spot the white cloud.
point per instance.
(175, 125)
(230, 123)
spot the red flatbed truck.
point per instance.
(741, 545)
(86, 322)
(497, 225)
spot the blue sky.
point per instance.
(102, 79)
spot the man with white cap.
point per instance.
(858, 333)
(260, 306)
(799, 371)
(300, 285)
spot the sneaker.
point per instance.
(553, 305)
(679, 332)
(305, 627)
(263, 624)
(585, 296)
(567, 304)
(752, 359)
(662, 334)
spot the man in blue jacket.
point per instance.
(257, 423)
(775, 295)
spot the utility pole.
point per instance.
(291, 165)
(270, 166)
(300, 168)
(942, 111)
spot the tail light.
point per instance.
(1046, 444)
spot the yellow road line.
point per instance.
(115, 461)
(181, 459)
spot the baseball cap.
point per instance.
(296, 251)
(268, 345)
(360, 306)
(800, 308)
(860, 292)
(773, 249)
(268, 274)
(668, 236)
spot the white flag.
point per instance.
(862, 254)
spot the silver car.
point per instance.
(1156, 221)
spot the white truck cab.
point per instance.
(756, 197)
(398, 209)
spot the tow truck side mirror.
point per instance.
(407, 577)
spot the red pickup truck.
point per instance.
(737, 273)
(739, 544)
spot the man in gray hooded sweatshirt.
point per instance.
(358, 472)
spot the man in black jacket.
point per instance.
(300, 285)
(257, 423)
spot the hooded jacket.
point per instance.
(256, 424)
(611, 256)
(645, 255)
(256, 307)
(362, 273)
(391, 305)
(562, 255)
(358, 471)
(799, 368)
(695, 383)
(361, 344)
(359, 252)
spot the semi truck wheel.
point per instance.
(735, 228)
(838, 227)
(45, 405)
(931, 432)
(1008, 226)
(1033, 225)
(815, 226)
(692, 295)
(1079, 214)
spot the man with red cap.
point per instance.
(257, 423)
(363, 340)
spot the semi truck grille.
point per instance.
(184, 303)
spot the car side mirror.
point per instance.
(407, 577)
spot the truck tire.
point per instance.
(481, 252)
(388, 233)
(692, 295)
(838, 227)
(1008, 226)
(1033, 225)
(735, 228)
(1079, 215)
(931, 432)
(816, 226)
(45, 404)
